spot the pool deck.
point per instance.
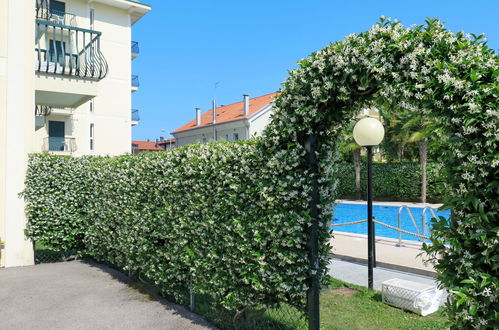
(406, 257)
(396, 204)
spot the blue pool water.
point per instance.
(344, 213)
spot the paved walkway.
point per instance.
(355, 273)
(80, 295)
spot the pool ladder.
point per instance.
(423, 218)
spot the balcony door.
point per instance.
(57, 52)
(56, 135)
(57, 8)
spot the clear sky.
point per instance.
(249, 46)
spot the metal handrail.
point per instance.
(135, 115)
(55, 16)
(76, 51)
(135, 47)
(59, 144)
(135, 81)
(43, 110)
(400, 222)
(423, 222)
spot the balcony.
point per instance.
(68, 51)
(45, 12)
(135, 83)
(135, 49)
(135, 117)
(66, 145)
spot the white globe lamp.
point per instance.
(368, 132)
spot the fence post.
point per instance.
(313, 235)
(192, 305)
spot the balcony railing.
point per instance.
(135, 48)
(43, 110)
(45, 13)
(135, 81)
(59, 144)
(69, 51)
(135, 115)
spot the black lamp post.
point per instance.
(369, 132)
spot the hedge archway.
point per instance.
(452, 77)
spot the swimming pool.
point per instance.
(345, 212)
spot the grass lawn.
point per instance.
(365, 310)
(343, 306)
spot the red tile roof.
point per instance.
(145, 145)
(231, 112)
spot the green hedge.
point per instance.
(215, 218)
(398, 181)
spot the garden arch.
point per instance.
(452, 77)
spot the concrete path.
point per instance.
(355, 273)
(80, 295)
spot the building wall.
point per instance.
(16, 125)
(224, 131)
(259, 123)
(112, 103)
(4, 5)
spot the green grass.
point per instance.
(365, 310)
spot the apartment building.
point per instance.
(65, 88)
(236, 121)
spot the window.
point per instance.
(204, 140)
(56, 52)
(226, 137)
(57, 8)
(91, 105)
(92, 18)
(91, 137)
(235, 136)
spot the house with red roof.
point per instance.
(145, 146)
(236, 121)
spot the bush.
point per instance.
(216, 218)
(397, 181)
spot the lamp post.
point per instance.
(369, 132)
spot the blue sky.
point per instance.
(249, 46)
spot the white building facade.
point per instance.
(65, 88)
(236, 121)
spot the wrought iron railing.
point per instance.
(135, 81)
(59, 144)
(135, 115)
(44, 12)
(42, 110)
(135, 48)
(69, 51)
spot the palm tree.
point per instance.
(349, 145)
(415, 127)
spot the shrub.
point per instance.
(393, 181)
(216, 218)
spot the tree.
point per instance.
(414, 127)
(348, 146)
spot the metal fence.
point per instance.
(45, 256)
(283, 317)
